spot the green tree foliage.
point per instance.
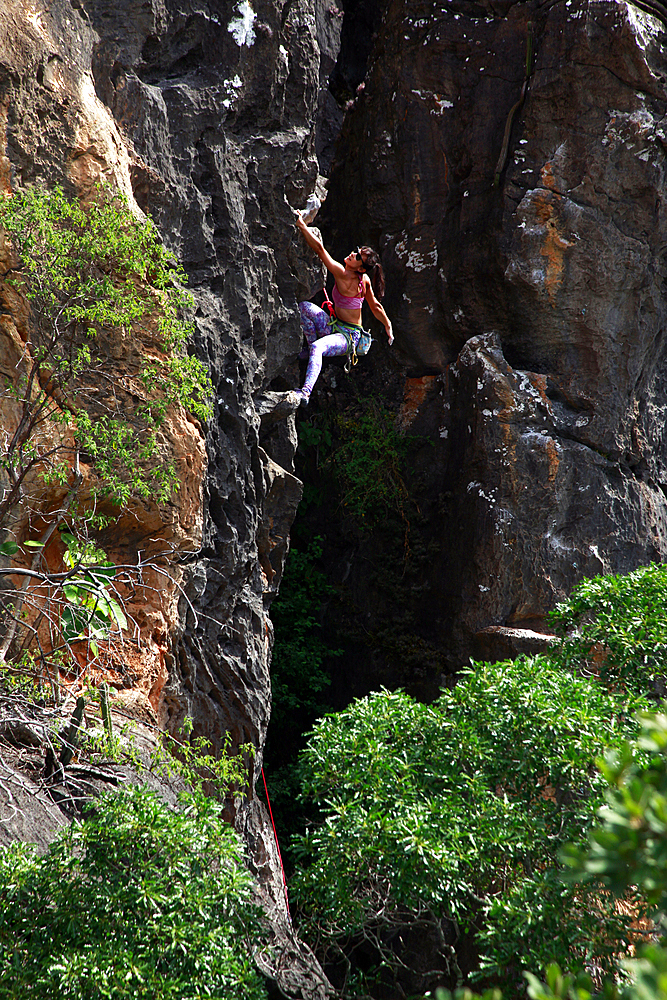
(627, 851)
(626, 854)
(618, 625)
(629, 847)
(104, 360)
(137, 901)
(97, 280)
(448, 818)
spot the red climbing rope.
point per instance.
(280, 857)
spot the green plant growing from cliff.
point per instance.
(91, 610)
(96, 279)
(445, 821)
(138, 900)
(197, 762)
(366, 460)
(383, 772)
(365, 453)
(299, 652)
(104, 359)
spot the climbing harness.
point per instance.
(354, 351)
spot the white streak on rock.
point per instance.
(241, 27)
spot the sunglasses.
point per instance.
(357, 256)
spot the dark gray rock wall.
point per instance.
(533, 299)
(218, 106)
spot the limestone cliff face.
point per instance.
(518, 204)
(525, 278)
(203, 114)
(216, 190)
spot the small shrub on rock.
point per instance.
(137, 901)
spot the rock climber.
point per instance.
(352, 286)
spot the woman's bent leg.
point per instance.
(325, 347)
(313, 320)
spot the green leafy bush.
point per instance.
(617, 626)
(629, 847)
(137, 901)
(627, 851)
(626, 854)
(447, 819)
(88, 273)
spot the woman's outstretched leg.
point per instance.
(325, 347)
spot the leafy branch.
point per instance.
(98, 363)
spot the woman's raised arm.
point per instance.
(315, 243)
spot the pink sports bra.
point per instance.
(348, 301)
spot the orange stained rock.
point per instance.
(137, 677)
(415, 392)
(417, 200)
(552, 459)
(549, 179)
(509, 469)
(545, 203)
(505, 395)
(547, 176)
(539, 382)
(157, 533)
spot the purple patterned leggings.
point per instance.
(315, 323)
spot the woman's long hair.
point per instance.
(373, 268)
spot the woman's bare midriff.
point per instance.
(349, 316)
